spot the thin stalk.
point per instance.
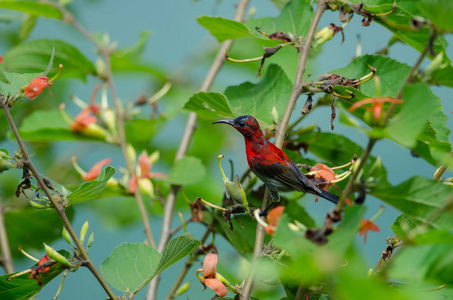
(184, 145)
(190, 261)
(280, 136)
(58, 207)
(7, 259)
(105, 51)
(349, 186)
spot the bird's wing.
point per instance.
(288, 174)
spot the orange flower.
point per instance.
(83, 119)
(96, 170)
(1, 59)
(41, 261)
(378, 105)
(36, 86)
(144, 163)
(365, 226)
(209, 275)
(323, 176)
(273, 218)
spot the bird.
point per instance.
(271, 165)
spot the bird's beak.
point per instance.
(229, 122)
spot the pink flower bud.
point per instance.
(36, 86)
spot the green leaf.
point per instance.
(187, 170)
(16, 82)
(242, 238)
(31, 227)
(175, 250)
(442, 76)
(439, 12)
(49, 125)
(23, 288)
(424, 262)
(392, 74)
(129, 266)
(403, 224)
(258, 100)
(139, 132)
(33, 8)
(418, 197)
(294, 18)
(91, 189)
(27, 25)
(417, 106)
(224, 29)
(34, 56)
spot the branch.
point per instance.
(184, 145)
(7, 259)
(105, 51)
(58, 207)
(280, 136)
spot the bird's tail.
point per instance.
(329, 196)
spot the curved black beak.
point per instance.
(229, 122)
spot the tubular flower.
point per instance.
(378, 105)
(96, 170)
(84, 119)
(145, 163)
(273, 218)
(209, 275)
(323, 176)
(41, 261)
(365, 226)
(1, 60)
(36, 86)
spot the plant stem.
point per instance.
(191, 260)
(58, 207)
(280, 136)
(349, 186)
(7, 259)
(184, 145)
(105, 52)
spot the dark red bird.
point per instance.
(272, 165)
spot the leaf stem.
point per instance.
(280, 136)
(7, 259)
(58, 207)
(184, 145)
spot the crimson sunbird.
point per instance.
(270, 164)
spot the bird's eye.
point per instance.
(242, 124)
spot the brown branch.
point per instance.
(7, 259)
(280, 136)
(184, 145)
(105, 51)
(58, 206)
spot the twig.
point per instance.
(184, 145)
(7, 259)
(58, 207)
(280, 136)
(105, 51)
(190, 261)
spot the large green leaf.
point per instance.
(23, 288)
(129, 266)
(418, 197)
(224, 29)
(33, 8)
(188, 170)
(139, 132)
(424, 262)
(91, 189)
(259, 100)
(49, 125)
(392, 74)
(16, 82)
(34, 57)
(439, 12)
(31, 227)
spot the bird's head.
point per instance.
(247, 125)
